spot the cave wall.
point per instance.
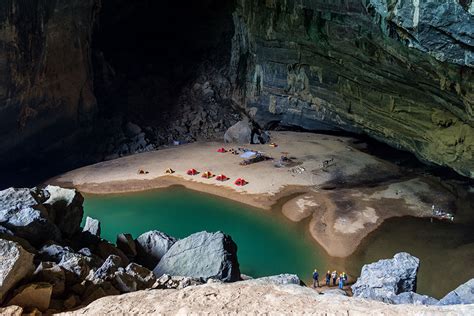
(400, 71)
(46, 93)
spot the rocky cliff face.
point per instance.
(45, 72)
(400, 71)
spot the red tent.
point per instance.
(221, 177)
(221, 150)
(240, 182)
(192, 172)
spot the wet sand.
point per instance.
(343, 202)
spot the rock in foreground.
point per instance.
(151, 247)
(202, 255)
(15, 264)
(242, 298)
(385, 279)
(464, 294)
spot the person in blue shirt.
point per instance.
(315, 278)
(328, 278)
(341, 281)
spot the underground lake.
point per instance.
(270, 244)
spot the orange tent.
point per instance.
(207, 175)
(240, 182)
(221, 150)
(221, 177)
(192, 172)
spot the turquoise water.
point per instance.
(267, 243)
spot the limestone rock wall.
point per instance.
(400, 71)
(45, 72)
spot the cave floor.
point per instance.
(343, 201)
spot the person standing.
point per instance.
(334, 278)
(315, 278)
(328, 278)
(341, 281)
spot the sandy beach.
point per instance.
(343, 202)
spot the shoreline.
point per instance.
(364, 190)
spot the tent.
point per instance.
(240, 182)
(192, 172)
(221, 150)
(207, 175)
(248, 154)
(169, 171)
(221, 177)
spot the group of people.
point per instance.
(339, 280)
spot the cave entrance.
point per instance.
(146, 51)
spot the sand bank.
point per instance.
(344, 201)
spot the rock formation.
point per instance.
(46, 89)
(76, 270)
(16, 264)
(244, 298)
(152, 246)
(385, 279)
(400, 71)
(202, 255)
(464, 294)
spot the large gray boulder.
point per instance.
(15, 264)
(67, 207)
(202, 255)
(385, 279)
(240, 133)
(22, 212)
(464, 294)
(151, 247)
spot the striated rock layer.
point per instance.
(399, 71)
(46, 91)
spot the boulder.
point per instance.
(464, 294)
(280, 279)
(15, 264)
(67, 206)
(166, 282)
(53, 252)
(51, 273)
(104, 249)
(151, 247)
(95, 291)
(386, 278)
(108, 268)
(124, 282)
(92, 226)
(413, 298)
(126, 243)
(202, 255)
(240, 133)
(11, 311)
(22, 213)
(76, 267)
(34, 295)
(144, 277)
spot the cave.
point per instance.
(145, 53)
(330, 133)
